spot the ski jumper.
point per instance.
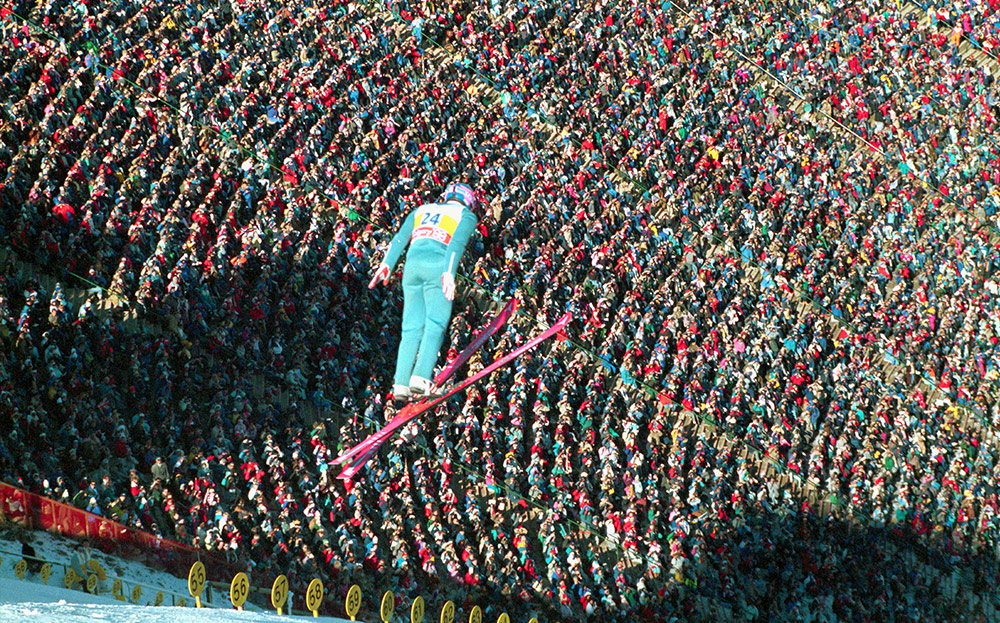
(437, 234)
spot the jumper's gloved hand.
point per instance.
(382, 274)
(448, 285)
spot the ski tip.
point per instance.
(350, 472)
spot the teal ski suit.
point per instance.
(437, 234)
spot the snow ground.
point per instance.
(60, 549)
(29, 600)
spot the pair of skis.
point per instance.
(359, 454)
(364, 450)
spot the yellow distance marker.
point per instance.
(476, 616)
(533, 620)
(196, 582)
(159, 599)
(20, 568)
(388, 605)
(136, 594)
(92, 583)
(503, 618)
(45, 572)
(417, 610)
(70, 578)
(279, 592)
(239, 588)
(353, 603)
(182, 603)
(448, 612)
(116, 589)
(314, 596)
(96, 567)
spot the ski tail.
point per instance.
(368, 446)
(476, 342)
(498, 321)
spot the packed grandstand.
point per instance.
(775, 225)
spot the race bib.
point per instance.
(437, 222)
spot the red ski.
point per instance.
(410, 412)
(448, 370)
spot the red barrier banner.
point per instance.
(13, 506)
(41, 513)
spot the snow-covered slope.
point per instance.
(60, 605)
(48, 603)
(30, 600)
(59, 549)
(23, 603)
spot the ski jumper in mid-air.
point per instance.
(437, 234)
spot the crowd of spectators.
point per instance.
(775, 224)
